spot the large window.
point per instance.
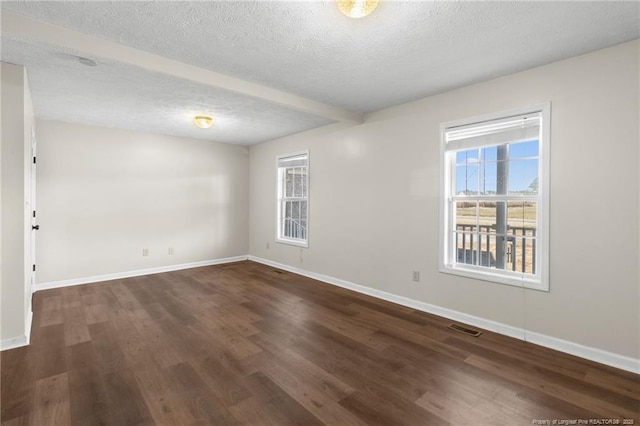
(494, 200)
(293, 199)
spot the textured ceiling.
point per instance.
(402, 52)
(114, 93)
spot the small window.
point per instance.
(293, 199)
(495, 197)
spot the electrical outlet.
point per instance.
(145, 252)
(416, 276)
(171, 250)
(267, 245)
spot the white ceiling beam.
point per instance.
(93, 47)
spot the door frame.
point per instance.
(32, 223)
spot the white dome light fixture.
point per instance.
(357, 8)
(203, 121)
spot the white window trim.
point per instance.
(284, 240)
(541, 280)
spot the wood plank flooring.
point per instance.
(244, 343)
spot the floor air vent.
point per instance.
(465, 330)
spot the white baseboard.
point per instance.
(13, 343)
(16, 342)
(136, 273)
(29, 321)
(593, 354)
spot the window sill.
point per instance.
(292, 242)
(515, 281)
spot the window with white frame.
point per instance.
(495, 197)
(293, 199)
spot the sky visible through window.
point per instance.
(477, 169)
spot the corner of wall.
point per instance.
(17, 119)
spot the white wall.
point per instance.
(15, 286)
(374, 201)
(105, 194)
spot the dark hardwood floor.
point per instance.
(244, 343)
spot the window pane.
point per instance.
(488, 214)
(493, 220)
(466, 215)
(300, 182)
(288, 183)
(468, 157)
(501, 253)
(523, 177)
(521, 255)
(495, 251)
(283, 207)
(523, 149)
(502, 173)
(488, 178)
(466, 244)
(294, 182)
(487, 250)
(303, 220)
(467, 179)
(530, 217)
(490, 153)
(496, 234)
(522, 217)
(295, 210)
(295, 219)
(522, 233)
(303, 181)
(530, 246)
(515, 214)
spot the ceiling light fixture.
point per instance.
(357, 8)
(203, 121)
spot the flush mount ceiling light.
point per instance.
(357, 8)
(203, 121)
